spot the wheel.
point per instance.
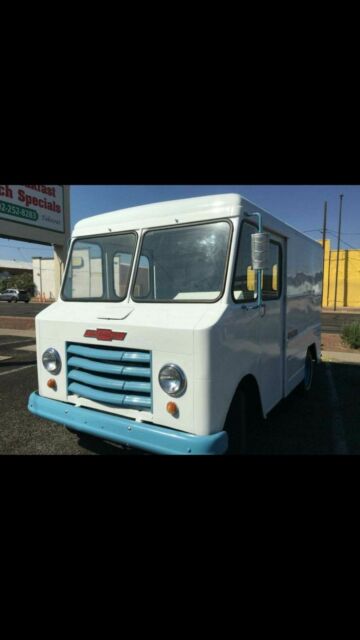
(27, 301)
(245, 419)
(237, 424)
(309, 367)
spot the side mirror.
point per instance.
(260, 243)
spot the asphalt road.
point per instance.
(296, 426)
(20, 431)
(21, 309)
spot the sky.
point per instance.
(300, 206)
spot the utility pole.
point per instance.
(338, 251)
(40, 281)
(323, 242)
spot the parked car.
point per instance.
(15, 295)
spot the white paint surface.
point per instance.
(216, 344)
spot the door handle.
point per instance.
(248, 307)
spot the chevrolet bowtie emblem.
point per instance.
(104, 334)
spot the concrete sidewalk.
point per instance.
(341, 357)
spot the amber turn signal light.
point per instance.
(172, 408)
(51, 383)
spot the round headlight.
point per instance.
(172, 380)
(51, 361)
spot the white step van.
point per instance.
(176, 321)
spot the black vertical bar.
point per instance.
(338, 251)
(324, 239)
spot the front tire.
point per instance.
(309, 369)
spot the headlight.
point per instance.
(51, 361)
(172, 380)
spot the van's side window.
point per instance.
(244, 288)
(272, 275)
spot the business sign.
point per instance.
(36, 205)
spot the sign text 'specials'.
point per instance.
(36, 205)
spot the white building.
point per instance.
(42, 270)
(44, 278)
(10, 268)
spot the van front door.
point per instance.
(271, 326)
(258, 336)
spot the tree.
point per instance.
(19, 281)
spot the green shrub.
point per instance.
(351, 335)
(20, 281)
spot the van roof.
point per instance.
(161, 214)
(182, 211)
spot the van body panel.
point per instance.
(216, 344)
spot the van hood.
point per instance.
(144, 324)
(175, 316)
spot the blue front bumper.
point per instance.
(107, 426)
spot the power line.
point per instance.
(343, 241)
(20, 252)
(335, 235)
(8, 246)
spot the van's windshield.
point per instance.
(176, 264)
(99, 268)
(181, 264)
